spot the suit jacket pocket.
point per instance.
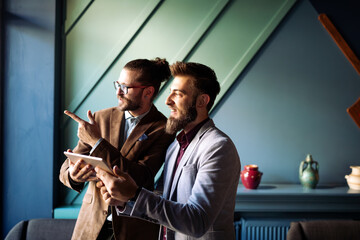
(186, 182)
(88, 198)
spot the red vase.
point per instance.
(251, 176)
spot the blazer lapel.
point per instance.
(169, 168)
(182, 162)
(116, 123)
(188, 153)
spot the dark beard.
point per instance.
(129, 105)
(174, 125)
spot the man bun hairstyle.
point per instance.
(204, 78)
(153, 72)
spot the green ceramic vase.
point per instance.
(309, 172)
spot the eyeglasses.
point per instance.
(125, 88)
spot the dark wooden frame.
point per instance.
(340, 41)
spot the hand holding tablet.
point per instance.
(93, 161)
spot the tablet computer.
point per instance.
(93, 161)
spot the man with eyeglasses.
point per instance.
(130, 136)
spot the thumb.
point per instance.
(104, 176)
(90, 117)
(119, 173)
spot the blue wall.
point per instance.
(292, 100)
(28, 117)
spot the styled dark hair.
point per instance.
(153, 72)
(204, 78)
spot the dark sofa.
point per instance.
(42, 229)
(324, 229)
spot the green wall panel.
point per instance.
(159, 37)
(235, 38)
(220, 33)
(162, 36)
(74, 10)
(96, 40)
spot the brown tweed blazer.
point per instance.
(141, 155)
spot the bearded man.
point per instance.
(130, 136)
(201, 171)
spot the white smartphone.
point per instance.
(93, 161)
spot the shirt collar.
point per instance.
(185, 139)
(138, 118)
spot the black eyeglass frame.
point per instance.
(124, 88)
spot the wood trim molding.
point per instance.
(339, 40)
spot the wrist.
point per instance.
(96, 142)
(73, 181)
(137, 192)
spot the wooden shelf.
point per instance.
(293, 198)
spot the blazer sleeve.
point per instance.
(216, 179)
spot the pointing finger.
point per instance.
(74, 116)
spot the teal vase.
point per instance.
(309, 172)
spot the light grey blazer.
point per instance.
(199, 202)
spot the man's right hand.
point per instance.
(116, 189)
(88, 132)
(81, 172)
